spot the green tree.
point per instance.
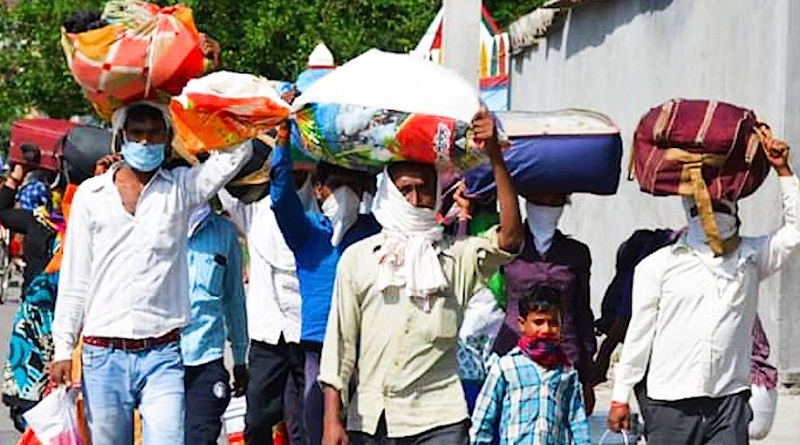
(505, 12)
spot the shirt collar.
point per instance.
(108, 177)
(745, 251)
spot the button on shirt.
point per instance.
(406, 351)
(273, 290)
(216, 293)
(693, 314)
(123, 275)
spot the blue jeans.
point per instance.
(115, 382)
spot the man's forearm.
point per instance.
(511, 232)
(332, 399)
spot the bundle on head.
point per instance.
(83, 21)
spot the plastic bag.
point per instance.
(143, 51)
(763, 402)
(54, 420)
(381, 108)
(482, 321)
(223, 109)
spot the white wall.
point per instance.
(622, 57)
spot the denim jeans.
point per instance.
(115, 382)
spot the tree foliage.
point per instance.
(268, 37)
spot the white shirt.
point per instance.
(693, 314)
(274, 290)
(124, 275)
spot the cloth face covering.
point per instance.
(544, 349)
(408, 257)
(341, 208)
(543, 222)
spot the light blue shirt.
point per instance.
(217, 294)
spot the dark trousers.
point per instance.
(207, 395)
(457, 434)
(270, 367)
(699, 421)
(314, 405)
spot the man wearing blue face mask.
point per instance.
(124, 281)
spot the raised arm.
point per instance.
(511, 233)
(289, 211)
(778, 247)
(16, 220)
(203, 181)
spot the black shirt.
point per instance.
(37, 247)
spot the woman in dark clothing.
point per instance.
(31, 344)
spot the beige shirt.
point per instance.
(406, 354)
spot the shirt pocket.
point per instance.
(166, 236)
(444, 318)
(211, 276)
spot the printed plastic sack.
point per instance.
(54, 420)
(143, 51)
(223, 109)
(381, 108)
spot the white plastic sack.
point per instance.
(398, 82)
(482, 321)
(54, 420)
(763, 402)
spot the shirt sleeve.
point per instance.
(240, 213)
(486, 415)
(578, 422)
(289, 211)
(203, 181)
(775, 249)
(479, 258)
(642, 328)
(344, 324)
(235, 308)
(74, 279)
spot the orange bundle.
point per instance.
(144, 51)
(224, 109)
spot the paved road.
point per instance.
(786, 430)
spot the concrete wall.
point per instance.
(622, 57)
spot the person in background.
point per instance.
(533, 394)
(31, 341)
(317, 240)
(34, 191)
(216, 291)
(276, 361)
(690, 334)
(397, 304)
(124, 281)
(550, 258)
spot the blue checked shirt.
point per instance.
(217, 294)
(526, 404)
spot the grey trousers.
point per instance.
(457, 434)
(700, 421)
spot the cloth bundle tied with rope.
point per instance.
(709, 151)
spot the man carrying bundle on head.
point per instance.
(397, 304)
(695, 302)
(124, 276)
(317, 241)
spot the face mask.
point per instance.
(543, 222)
(544, 349)
(143, 158)
(341, 208)
(727, 225)
(366, 204)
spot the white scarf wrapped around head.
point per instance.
(120, 116)
(407, 256)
